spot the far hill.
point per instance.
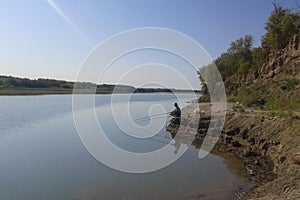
(23, 86)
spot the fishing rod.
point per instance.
(146, 119)
(142, 118)
(157, 117)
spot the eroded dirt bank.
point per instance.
(268, 147)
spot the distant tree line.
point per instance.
(14, 82)
(167, 90)
(9, 82)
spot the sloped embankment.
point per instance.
(275, 86)
(275, 132)
(266, 134)
(268, 147)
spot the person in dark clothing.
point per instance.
(176, 114)
(177, 111)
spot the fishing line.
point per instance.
(162, 136)
(157, 137)
(151, 116)
(147, 119)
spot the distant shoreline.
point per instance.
(39, 92)
(10, 86)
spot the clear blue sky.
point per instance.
(37, 41)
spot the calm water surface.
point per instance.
(42, 157)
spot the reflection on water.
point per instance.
(46, 160)
(20, 112)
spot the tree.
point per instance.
(241, 58)
(241, 45)
(237, 60)
(280, 27)
(203, 82)
(258, 58)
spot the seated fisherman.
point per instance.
(177, 111)
(176, 114)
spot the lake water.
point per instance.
(42, 157)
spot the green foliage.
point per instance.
(248, 98)
(201, 75)
(290, 84)
(276, 103)
(13, 82)
(204, 98)
(280, 27)
(232, 98)
(272, 113)
(289, 116)
(22, 86)
(240, 58)
(211, 81)
(258, 58)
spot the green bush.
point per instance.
(247, 98)
(290, 84)
(289, 104)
